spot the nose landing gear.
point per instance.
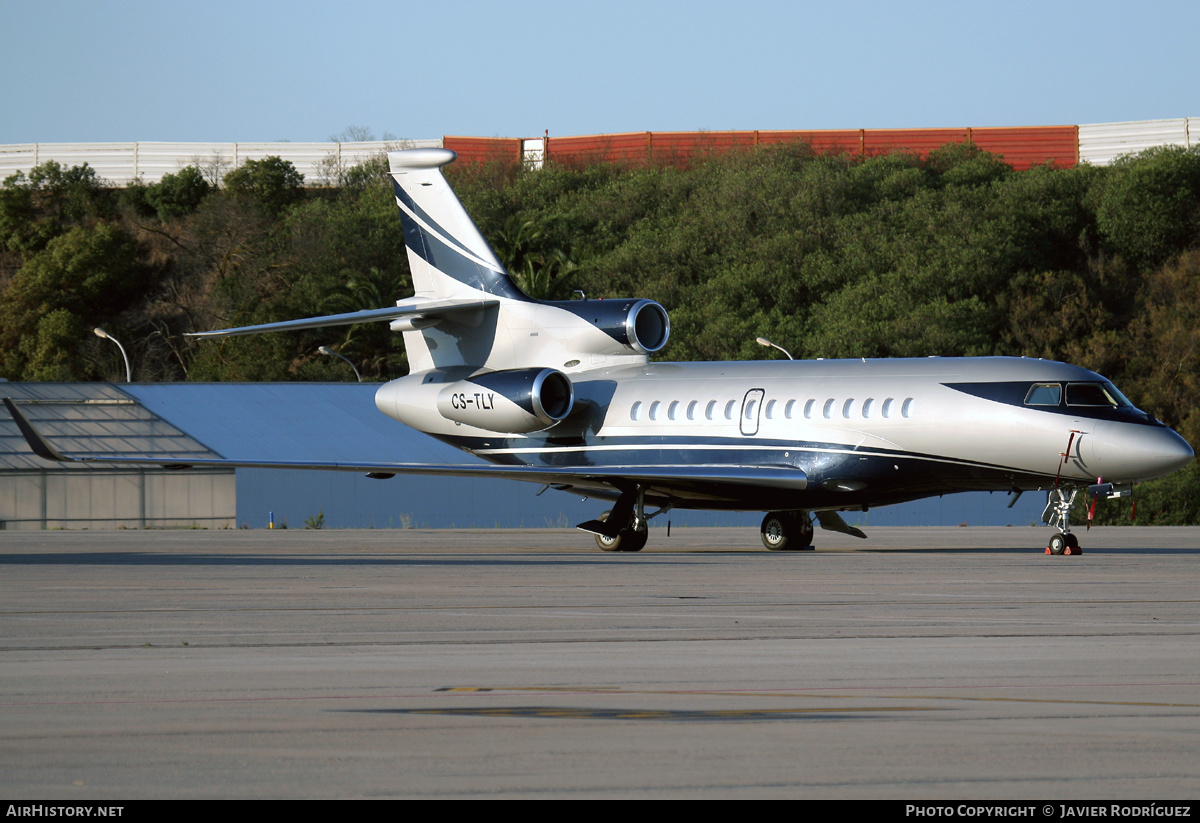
(1058, 514)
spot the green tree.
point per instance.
(53, 351)
(1149, 204)
(37, 208)
(178, 194)
(273, 183)
(541, 269)
(80, 280)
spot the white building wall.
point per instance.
(118, 498)
(1102, 143)
(121, 163)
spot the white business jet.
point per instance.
(564, 394)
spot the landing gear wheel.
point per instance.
(628, 540)
(1058, 544)
(785, 531)
(1073, 545)
(633, 541)
(608, 544)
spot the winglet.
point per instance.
(33, 437)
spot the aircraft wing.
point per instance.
(412, 308)
(691, 480)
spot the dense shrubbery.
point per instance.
(828, 255)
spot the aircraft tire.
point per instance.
(786, 531)
(1058, 544)
(608, 544)
(627, 540)
(1073, 545)
(632, 541)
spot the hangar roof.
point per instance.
(88, 417)
(249, 421)
(291, 421)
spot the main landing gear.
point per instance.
(787, 531)
(623, 528)
(630, 539)
(1058, 515)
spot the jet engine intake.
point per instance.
(642, 326)
(516, 401)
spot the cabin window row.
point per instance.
(812, 409)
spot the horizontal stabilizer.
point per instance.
(406, 308)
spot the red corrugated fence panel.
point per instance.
(831, 140)
(697, 142)
(921, 141)
(600, 148)
(1029, 146)
(484, 149)
(637, 147)
(1020, 147)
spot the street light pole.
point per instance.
(99, 332)
(328, 351)
(762, 341)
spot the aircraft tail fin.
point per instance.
(448, 256)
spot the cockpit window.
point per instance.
(1043, 394)
(1095, 394)
(1121, 399)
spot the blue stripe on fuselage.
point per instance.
(838, 475)
(695, 450)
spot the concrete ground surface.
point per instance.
(922, 663)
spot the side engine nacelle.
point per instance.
(640, 326)
(516, 401)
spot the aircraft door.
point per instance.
(751, 409)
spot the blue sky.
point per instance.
(252, 70)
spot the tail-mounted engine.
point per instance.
(639, 325)
(517, 401)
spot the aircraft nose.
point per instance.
(1130, 451)
(1183, 453)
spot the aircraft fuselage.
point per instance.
(863, 432)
